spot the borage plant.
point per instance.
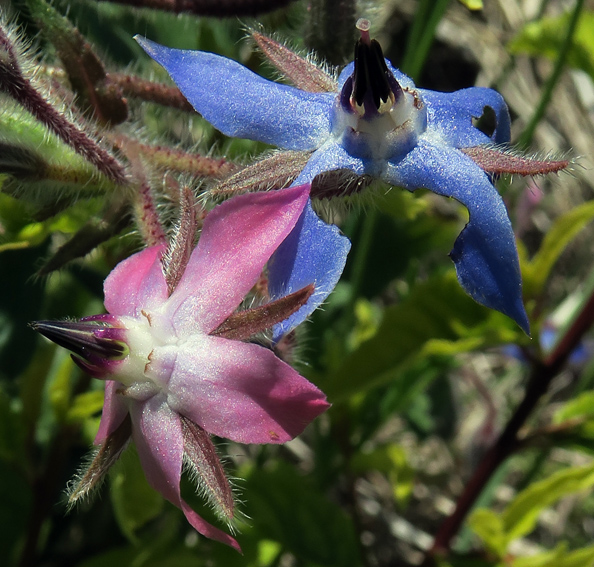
(224, 261)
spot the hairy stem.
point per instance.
(16, 85)
(331, 29)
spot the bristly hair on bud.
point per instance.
(19, 82)
(20, 162)
(114, 218)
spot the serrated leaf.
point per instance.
(545, 37)
(134, 501)
(520, 516)
(563, 231)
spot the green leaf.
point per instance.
(286, 507)
(393, 462)
(489, 527)
(60, 384)
(63, 169)
(520, 516)
(563, 231)
(545, 37)
(367, 318)
(437, 317)
(472, 4)
(85, 405)
(558, 557)
(134, 501)
(580, 407)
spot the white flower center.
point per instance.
(153, 349)
(390, 133)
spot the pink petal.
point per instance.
(238, 238)
(242, 391)
(136, 282)
(114, 412)
(206, 529)
(157, 433)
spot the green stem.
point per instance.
(362, 253)
(414, 35)
(553, 79)
(418, 47)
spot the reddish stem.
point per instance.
(540, 378)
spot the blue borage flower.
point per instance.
(379, 124)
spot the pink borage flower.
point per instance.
(174, 377)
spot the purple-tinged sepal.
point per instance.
(98, 343)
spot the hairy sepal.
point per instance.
(304, 74)
(89, 480)
(205, 468)
(245, 324)
(274, 172)
(499, 161)
(181, 242)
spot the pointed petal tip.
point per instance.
(518, 314)
(206, 529)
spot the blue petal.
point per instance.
(485, 253)
(242, 104)
(314, 252)
(329, 157)
(451, 114)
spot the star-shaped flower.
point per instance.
(177, 370)
(375, 123)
